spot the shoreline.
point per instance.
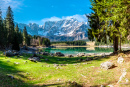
(93, 46)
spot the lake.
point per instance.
(76, 50)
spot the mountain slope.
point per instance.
(63, 30)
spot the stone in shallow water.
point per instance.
(59, 54)
(80, 54)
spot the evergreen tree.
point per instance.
(20, 37)
(1, 28)
(2, 32)
(112, 16)
(29, 39)
(17, 29)
(9, 25)
(16, 41)
(25, 36)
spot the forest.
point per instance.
(12, 38)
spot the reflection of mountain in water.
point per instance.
(90, 48)
(75, 50)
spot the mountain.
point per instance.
(63, 30)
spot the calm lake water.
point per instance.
(76, 50)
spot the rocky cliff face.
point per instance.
(63, 30)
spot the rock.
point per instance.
(87, 55)
(46, 59)
(34, 59)
(58, 79)
(81, 59)
(56, 65)
(25, 62)
(16, 63)
(59, 54)
(10, 76)
(102, 86)
(110, 86)
(107, 65)
(62, 64)
(25, 48)
(34, 55)
(88, 59)
(9, 53)
(80, 54)
(120, 60)
(27, 73)
(51, 54)
(41, 57)
(45, 53)
(26, 52)
(122, 76)
(16, 53)
(70, 56)
(48, 66)
(72, 84)
(126, 80)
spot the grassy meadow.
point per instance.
(45, 74)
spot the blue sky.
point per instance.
(39, 11)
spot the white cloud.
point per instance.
(80, 18)
(13, 3)
(51, 19)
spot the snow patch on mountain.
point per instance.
(67, 28)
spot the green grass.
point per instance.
(44, 73)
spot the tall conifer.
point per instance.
(25, 36)
(9, 25)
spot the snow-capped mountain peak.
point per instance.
(67, 28)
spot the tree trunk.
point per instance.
(115, 43)
(120, 43)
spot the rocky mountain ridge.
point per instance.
(63, 30)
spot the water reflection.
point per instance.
(75, 50)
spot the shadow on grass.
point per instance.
(66, 84)
(8, 79)
(62, 60)
(65, 60)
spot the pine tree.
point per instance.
(17, 29)
(20, 37)
(16, 39)
(2, 31)
(9, 25)
(1, 28)
(25, 36)
(29, 39)
(112, 20)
